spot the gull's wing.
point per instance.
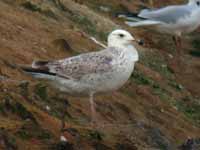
(78, 66)
(170, 14)
(143, 23)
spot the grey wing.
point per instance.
(170, 14)
(85, 64)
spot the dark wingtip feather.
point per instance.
(42, 70)
(39, 64)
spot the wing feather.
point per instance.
(85, 64)
(170, 14)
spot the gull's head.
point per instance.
(194, 2)
(120, 38)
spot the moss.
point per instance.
(30, 130)
(175, 85)
(196, 43)
(157, 63)
(196, 46)
(8, 141)
(23, 112)
(24, 88)
(191, 108)
(140, 78)
(2, 110)
(23, 134)
(30, 6)
(90, 28)
(38, 8)
(41, 91)
(8, 105)
(96, 135)
(44, 134)
(195, 53)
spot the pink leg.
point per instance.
(178, 43)
(92, 107)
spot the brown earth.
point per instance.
(157, 109)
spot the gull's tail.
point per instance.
(135, 20)
(39, 69)
(130, 16)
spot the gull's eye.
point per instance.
(121, 35)
(198, 3)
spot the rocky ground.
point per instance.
(158, 109)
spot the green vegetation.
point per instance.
(140, 78)
(24, 88)
(31, 6)
(87, 26)
(175, 85)
(38, 8)
(190, 107)
(30, 130)
(156, 63)
(9, 105)
(41, 91)
(196, 46)
(96, 135)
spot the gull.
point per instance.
(174, 20)
(94, 72)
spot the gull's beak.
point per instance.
(132, 39)
(138, 41)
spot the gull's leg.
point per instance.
(178, 44)
(62, 122)
(64, 112)
(92, 108)
(175, 63)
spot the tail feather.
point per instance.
(130, 16)
(37, 70)
(143, 23)
(41, 72)
(39, 64)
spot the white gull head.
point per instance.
(120, 38)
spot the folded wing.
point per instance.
(75, 67)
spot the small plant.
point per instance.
(30, 6)
(23, 134)
(139, 78)
(177, 86)
(30, 130)
(157, 63)
(41, 91)
(196, 45)
(24, 88)
(191, 108)
(95, 135)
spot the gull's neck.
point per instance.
(117, 45)
(129, 51)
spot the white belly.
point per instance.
(97, 83)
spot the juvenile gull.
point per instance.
(94, 72)
(175, 19)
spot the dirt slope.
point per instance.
(157, 109)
